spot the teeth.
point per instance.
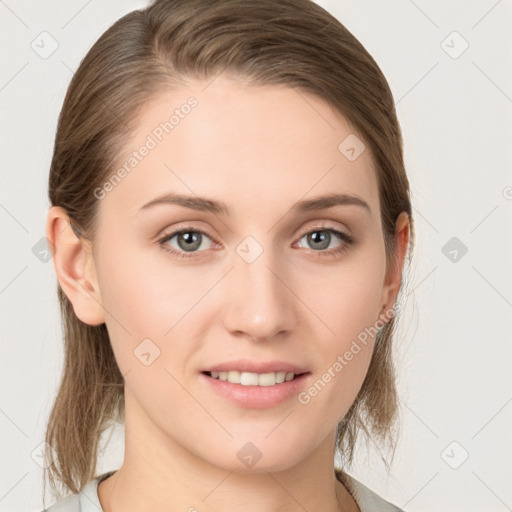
(233, 376)
(253, 379)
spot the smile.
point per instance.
(253, 379)
(256, 390)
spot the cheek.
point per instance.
(147, 299)
(346, 298)
(347, 303)
(155, 302)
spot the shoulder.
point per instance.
(85, 501)
(70, 503)
(366, 499)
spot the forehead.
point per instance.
(249, 146)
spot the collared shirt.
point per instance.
(88, 501)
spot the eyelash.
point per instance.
(347, 239)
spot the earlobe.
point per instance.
(75, 268)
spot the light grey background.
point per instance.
(454, 354)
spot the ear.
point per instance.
(74, 265)
(394, 271)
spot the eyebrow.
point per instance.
(214, 206)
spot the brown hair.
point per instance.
(295, 43)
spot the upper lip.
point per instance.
(249, 365)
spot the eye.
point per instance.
(321, 238)
(189, 240)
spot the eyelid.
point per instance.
(298, 234)
(325, 224)
(167, 235)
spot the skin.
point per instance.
(260, 150)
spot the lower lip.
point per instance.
(257, 397)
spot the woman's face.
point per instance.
(245, 283)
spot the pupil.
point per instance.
(192, 241)
(320, 236)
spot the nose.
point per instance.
(260, 303)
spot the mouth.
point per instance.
(254, 379)
(256, 390)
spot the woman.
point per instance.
(233, 178)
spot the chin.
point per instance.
(247, 457)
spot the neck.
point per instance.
(159, 474)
